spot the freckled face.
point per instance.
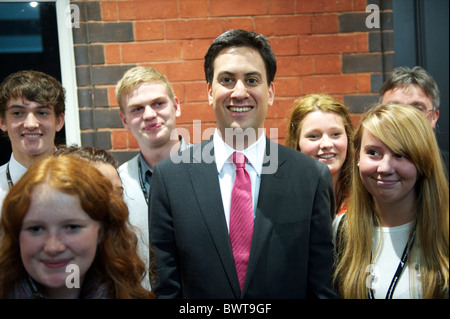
(55, 233)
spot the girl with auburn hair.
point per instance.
(321, 127)
(63, 211)
(393, 242)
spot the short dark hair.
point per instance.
(404, 76)
(34, 86)
(241, 38)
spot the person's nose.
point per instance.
(239, 90)
(325, 142)
(149, 113)
(54, 244)
(385, 165)
(31, 122)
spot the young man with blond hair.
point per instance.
(148, 108)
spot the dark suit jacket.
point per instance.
(291, 254)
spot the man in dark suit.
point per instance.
(191, 208)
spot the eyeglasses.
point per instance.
(423, 109)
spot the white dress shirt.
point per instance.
(227, 170)
(16, 170)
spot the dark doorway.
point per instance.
(421, 38)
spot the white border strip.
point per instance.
(68, 74)
(67, 65)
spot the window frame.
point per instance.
(67, 66)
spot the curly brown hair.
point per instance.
(34, 86)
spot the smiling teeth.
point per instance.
(32, 135)
(240, 109)
(326, 156)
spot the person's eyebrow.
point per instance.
(150, 102)
(19, 106)
(254, 73)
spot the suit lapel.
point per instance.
(205, 182)
(267, 206)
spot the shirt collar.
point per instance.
(146, 168)
(16, 170)
(254, 153)
(183, 145)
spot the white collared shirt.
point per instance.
(227, 170)
(16, 170)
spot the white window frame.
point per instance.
(67, 65)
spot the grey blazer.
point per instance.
(291, 254)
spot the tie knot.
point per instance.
(239, 160)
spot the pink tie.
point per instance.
(241, 217)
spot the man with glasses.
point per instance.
(414, 87)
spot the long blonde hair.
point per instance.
(405, 131)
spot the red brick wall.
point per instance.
(321, 47)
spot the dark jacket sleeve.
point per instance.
(162, 240)
(321, 246)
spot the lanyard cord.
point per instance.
(142, 182)
(400, 267)
(8, 177)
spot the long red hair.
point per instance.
(117, 264)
